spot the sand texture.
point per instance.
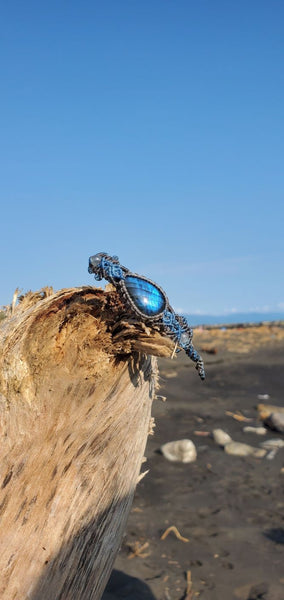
(230, 508)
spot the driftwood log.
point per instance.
(77, 381)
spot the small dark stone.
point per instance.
(227, 565)
(275, 535)
(259, 592)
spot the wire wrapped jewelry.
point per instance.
(147, 300)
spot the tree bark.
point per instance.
(76, 387)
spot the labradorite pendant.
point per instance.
(147, 297)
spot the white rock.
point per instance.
(180, 451)
(274, 443)
(221, 437)
(272, 453)
(239, 449)
(263, 396)
(257, 430)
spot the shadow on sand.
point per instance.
(275, 535)
(123, 587)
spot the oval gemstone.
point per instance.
(145, 295)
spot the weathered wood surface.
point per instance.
(76, 387)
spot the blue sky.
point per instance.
(148, 129)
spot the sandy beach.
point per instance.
(229, 508)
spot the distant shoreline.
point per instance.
(279, 323)
(235, 320)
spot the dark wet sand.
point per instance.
(230, 508)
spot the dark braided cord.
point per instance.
(186, 327)
(195, 357)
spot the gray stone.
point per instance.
(276, 421)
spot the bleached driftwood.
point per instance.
(76, 387)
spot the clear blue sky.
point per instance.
(151, 129)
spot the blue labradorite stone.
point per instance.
(145, 295)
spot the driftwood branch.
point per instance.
(76, 387)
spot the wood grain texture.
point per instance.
(76, 387)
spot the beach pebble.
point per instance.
(259, 591)
(276, 421)
(251, 592)
(257, 430)
(239, 449)
(170, 374)
(271, 444)
(179, 451)
(272, 453)
(221, 437)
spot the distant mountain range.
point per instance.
(233, 318)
